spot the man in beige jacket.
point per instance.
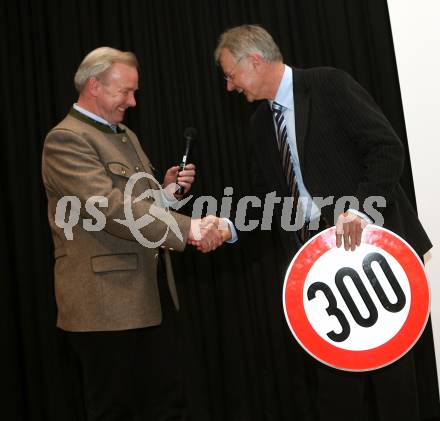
(116, 298)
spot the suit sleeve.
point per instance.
(380, 151)
(72, 167)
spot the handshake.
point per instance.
(209, 233)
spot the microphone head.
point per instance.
(190, 133)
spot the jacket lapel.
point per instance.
(146, 164)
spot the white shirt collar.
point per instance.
(91, 115)
(284, 94)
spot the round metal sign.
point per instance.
(360, 310)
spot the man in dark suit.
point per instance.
(339, 144)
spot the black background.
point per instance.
(41, 45)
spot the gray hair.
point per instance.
(247, 39)
(99, 61)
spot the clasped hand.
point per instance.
(205, 234)
(208, 233)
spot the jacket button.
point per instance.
(137, 168)
(123, 172)
(124, 139)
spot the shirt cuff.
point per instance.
(234, 236)
(361, 215)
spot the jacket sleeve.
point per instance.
(380, 151)
(72, 167)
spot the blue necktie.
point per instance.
(286, 162)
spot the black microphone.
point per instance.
(190, 134)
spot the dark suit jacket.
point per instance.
(346, 147)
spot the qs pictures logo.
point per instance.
(158, 211)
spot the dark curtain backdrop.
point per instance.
(225, 319)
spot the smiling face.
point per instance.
(242, 74)
(114, 92)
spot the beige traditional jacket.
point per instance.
(105, 279)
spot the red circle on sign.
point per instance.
(356, 360)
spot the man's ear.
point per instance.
(93, 85)
(256, 60)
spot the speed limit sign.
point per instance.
(360, 310)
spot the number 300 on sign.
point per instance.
(357, 310)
